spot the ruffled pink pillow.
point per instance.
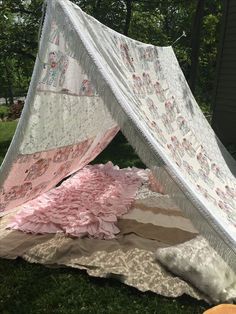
(88, 203)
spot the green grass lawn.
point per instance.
(7, 130)
(29, 288)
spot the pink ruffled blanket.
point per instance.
(88, 203)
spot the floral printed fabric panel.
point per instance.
(33, 174)
(146, 92)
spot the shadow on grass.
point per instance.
(32, 288)
(3, 149)
(121, 153)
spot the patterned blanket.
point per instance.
(130, 257)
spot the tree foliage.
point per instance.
(158, 22)
(19, 22)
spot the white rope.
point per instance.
(183, 35)
(44, 6)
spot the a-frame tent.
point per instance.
(89, 82)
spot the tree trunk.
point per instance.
(10, 94)
(9, 86)
(96, 8)
(6, 99)
(195, 43)
(128, 16)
